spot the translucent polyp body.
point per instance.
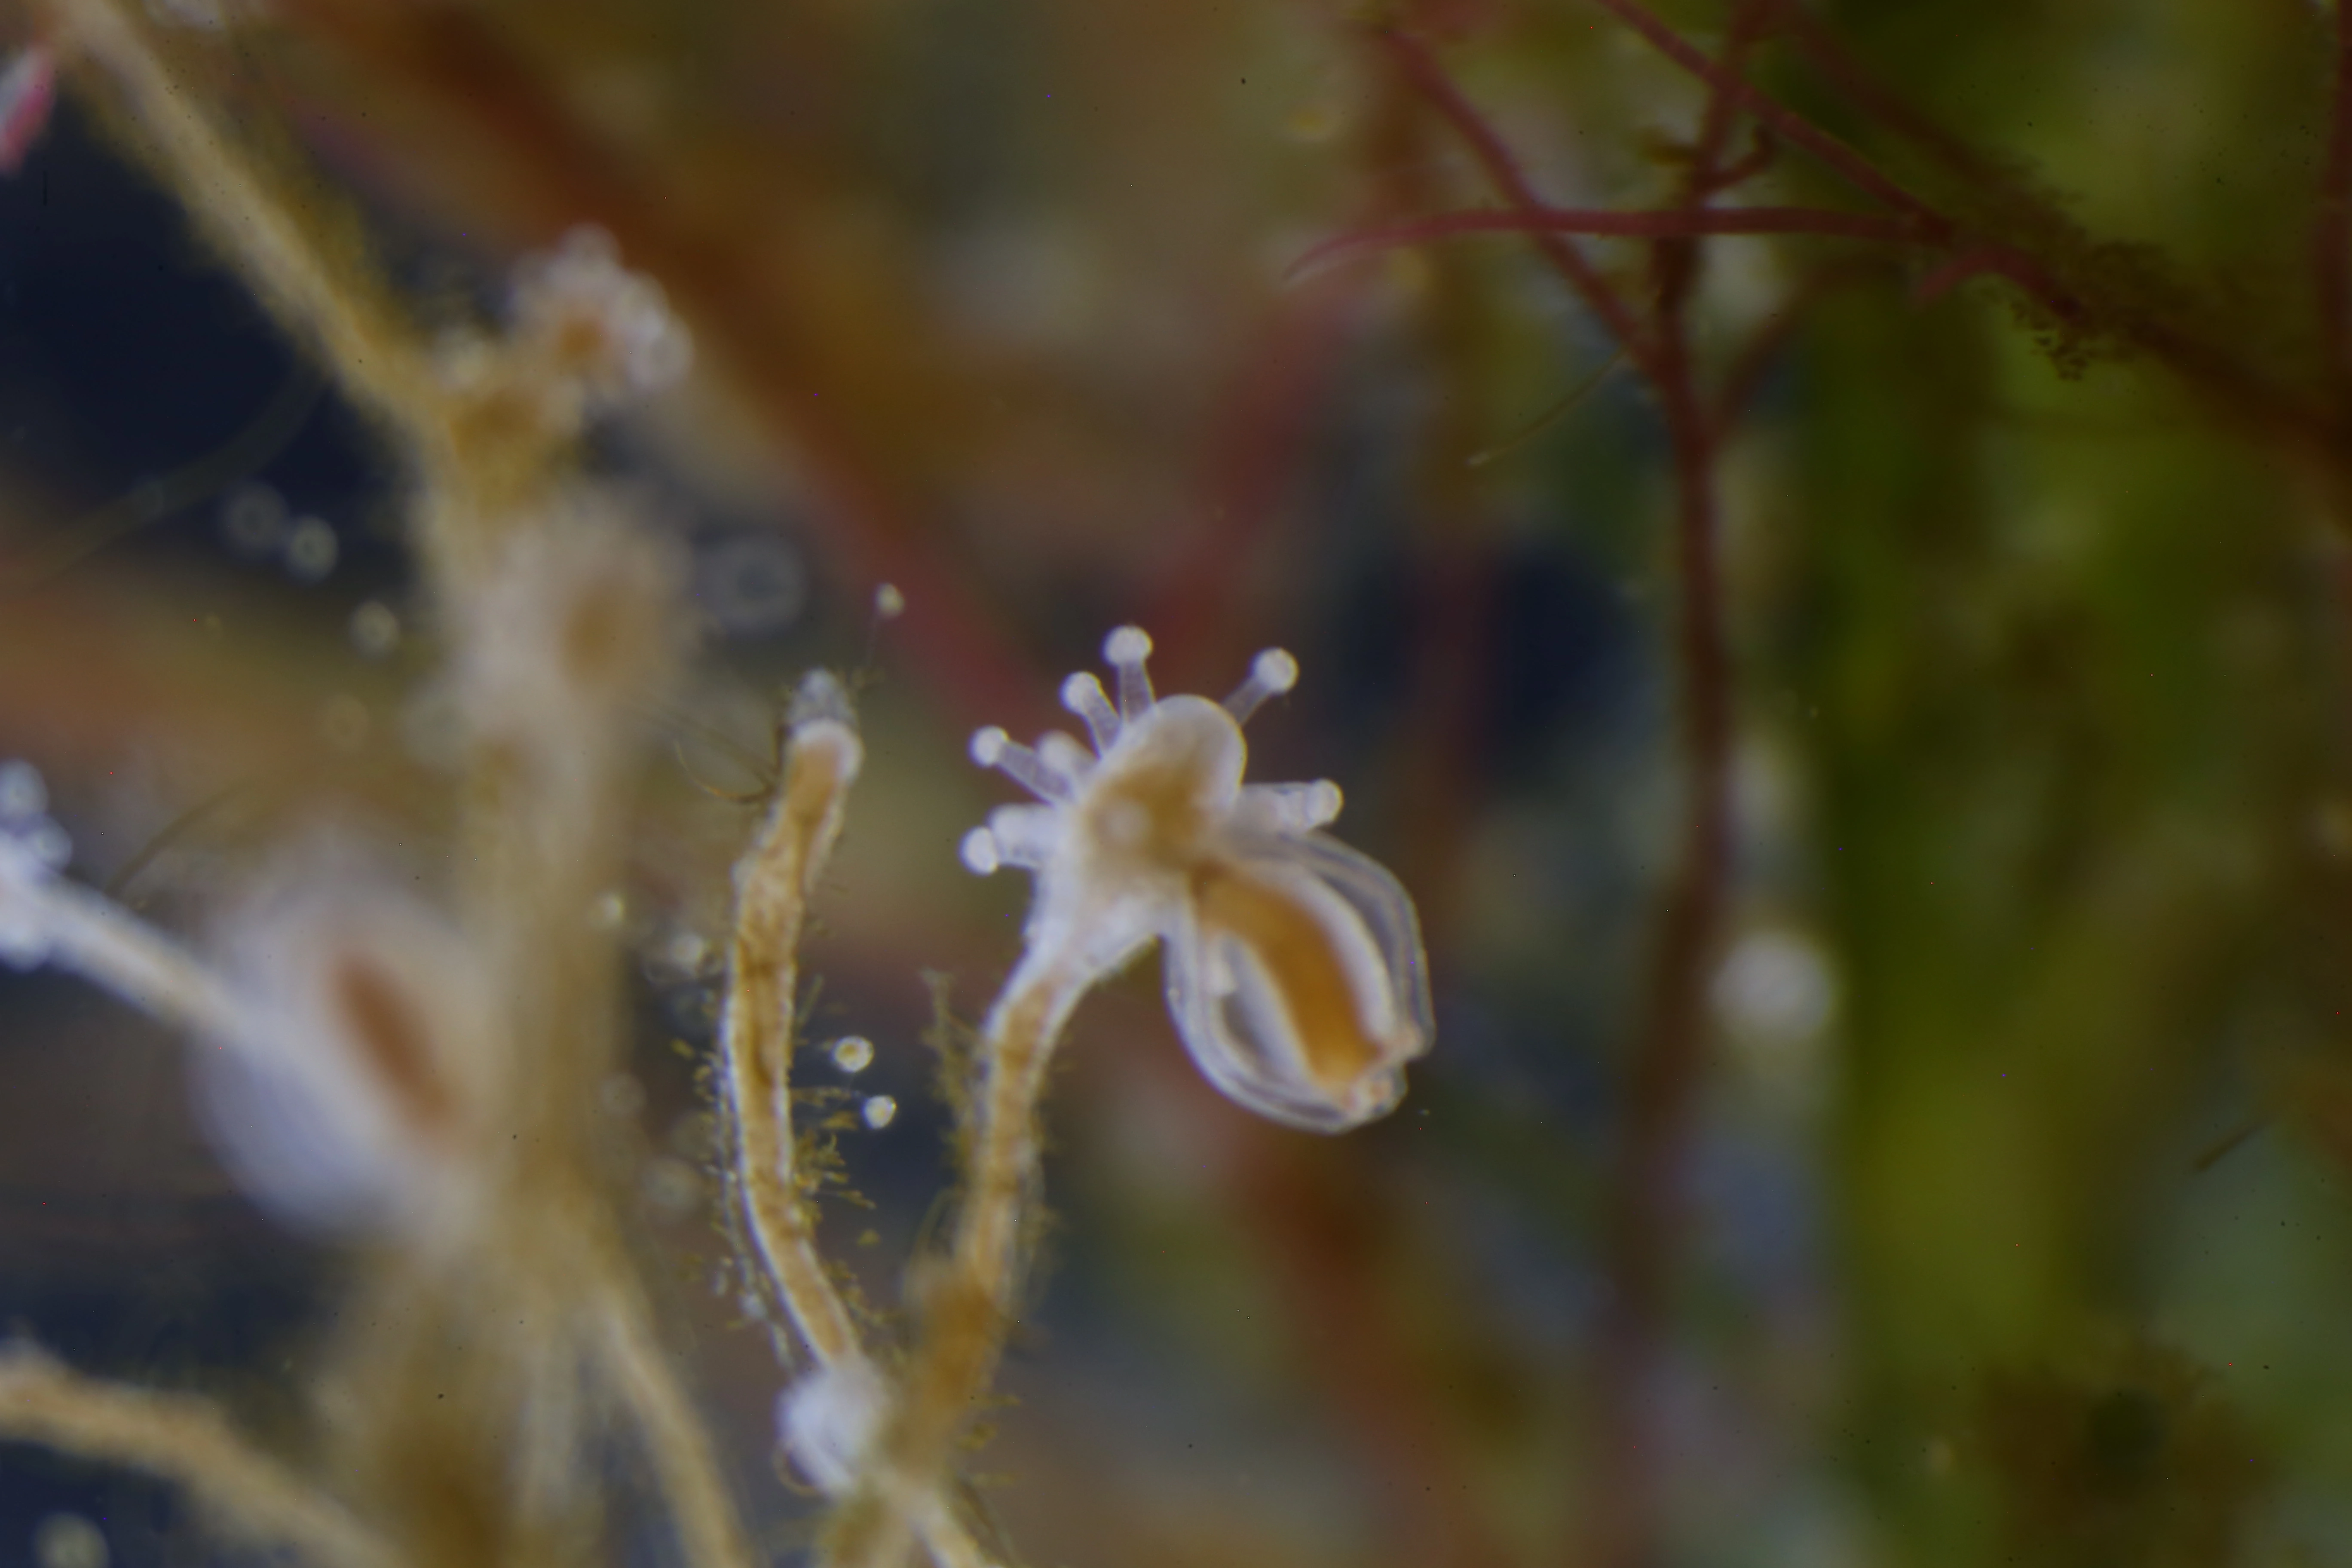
(1293, 965)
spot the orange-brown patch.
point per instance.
(1298, 955)
(398, 1043)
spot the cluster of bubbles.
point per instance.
(853, 1054)
(33, 849)
(255, 521)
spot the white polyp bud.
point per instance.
(22, 793)
(888, 603)
(1323, 803)
(853, 1053)
(1129, 645)
(988, 745)
(829, 1418)
(1276, 670)
(879, 1111)
(981, 854)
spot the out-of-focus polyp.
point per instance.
(572, 615)
(590, 322)
(353, 1097)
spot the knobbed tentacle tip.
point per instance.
(988, 745)
(1127, 646)
(1323, 803)
(980, 852)
(1276, 670)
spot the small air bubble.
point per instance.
(671, 1188)
(879, 1111)
(375, 630)
(431, 732)
(686, 951)
(253, 519)
(693, 1134)
(1775, 991)
(853, 1053)
(22, 794)
(69, 1540)
(343, 724)
(621, 1095)
(311, 550)
(675, 956)
(888, 603)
